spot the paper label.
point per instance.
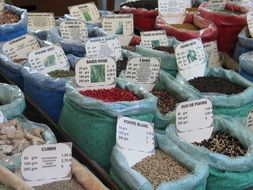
(135, 136)
(1, 5)
(95, 73)
(40, 21)
(143, 70)
(1, 117)
(245, 3)
(250, 22)
(211, 50)
(87, 12)
(41, 164)
(171, 6)
(191, 59)
(120, 24)
(48, 59)
(194, 120)
(154, 39)
(20, 47)
(106, 46)
(250, 120)
(74, 30)
(216, 5)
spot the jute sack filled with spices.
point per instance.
(92, 122)
(12, 101)
(194, 178)
(47, 90)
(168, 60)
(230, 93)
(193, 27)
(225, 172)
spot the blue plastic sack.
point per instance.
(246, 75)
(14, 162)
(244, 44)
(12, 100)
(225, 173)
(11, 31)
(129, 179)
(47, 92)
(246, 62)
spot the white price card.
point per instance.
(154, 39)
(1, 5)
(216, 5)
(20, 47)
(166, 7)
(135, 137)
(194, 120)
(250, 22)
(143, 70)
(191, 58)
(211, 50)
(95, 73)
(87, 12)
(48, 59)
(40, 21)
(2, 119)
(120, 24)
(245, 3)
(74, 30)
(250, 119)
(41, 164)
(106, 46)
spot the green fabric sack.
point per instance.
(234, 105)
(168, 61)
(225, 173)
(92, 122)
(129, 179)
(12, 100)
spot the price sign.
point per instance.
(194, 120)
(87, 12)
(250, 120)
(41, 164)
(1, 6)
(250, 22)
(74, 30)
(154, 39)
(143, 70)
(216, 5)
(166, 7)
(120, 24)
(48, 59)
(20, 47)
(211, 50)
(1, 117)
(135, 137)
(191, 59)
(106, 46)
(95, 73)
(40, 21)
(245, 3)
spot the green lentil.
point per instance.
(62, 73)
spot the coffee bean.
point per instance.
(7, 17)
(160, 167)
(149, 5)
(216, 84)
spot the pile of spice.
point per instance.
(165, 49)
(223, 144)
(166, 102)
(160, 167)
(8, 17)
(20, 60)
(61, 185)
(216, 84)
(121, 66)
(62, 73)
(186, 26)
(111, 95)
(149, 5)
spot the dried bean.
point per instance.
(149, 5)
(8, 17)
(223, 144)
(160, 167)
(111, 95)
(165, 49)
(62, 73)
(216, 84)
(166, 102)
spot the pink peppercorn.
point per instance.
(111, 95)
